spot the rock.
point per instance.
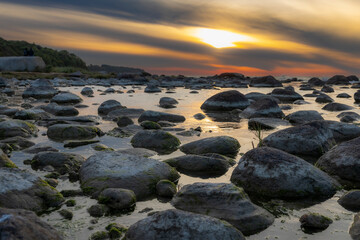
(226, 101)
(119, 170)
(165, 188)
(140, 152)
(348, 117)
(351, 200)
(78, 143)
(87, 91)
(353, 78)
(150, 125)
(168, 102)
(31, 114)
(63, 132)
(5, 161)
(110, 90)
(128, 112)
(124, 132)
(224, 145)
(101, 147)
(224, 201)
(266, 123)
(327, 89)
(301, 117)
(300, 102)
(66, 214)
(40, 89)
(357, 97)
(22, 189)
(152, 89)
(58, 110)
(160, 116)
(267, 81)
(272, 173)
(109, 106)
(25, 225)
(343, 162)
(98, 210)
(323, 98)
(189, 133)
(199, 116)
(62, 162)
(157, 140)
(335, 107)
(308, 141)
(342, 131)
(264, 107)
(21, 64)
(316, 82)
(179, 225)
(343, 95)
(338, 80)
(14, 128)
(118, 199)
(40, 148)
(201, 165)
(18, 143)
(355, 228)
(314, 222)
(124, 121)
(66, 98)
(286, 96)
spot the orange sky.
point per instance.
(294, 38)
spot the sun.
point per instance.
(220, 38)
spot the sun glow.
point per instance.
(221, 38)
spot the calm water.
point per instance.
(285, 227)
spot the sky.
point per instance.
(202, 37)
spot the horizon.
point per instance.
(255, 38)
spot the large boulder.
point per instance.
(13, 128)
(66, 98)
(327, 89)
(226, 101)
(224, 145)
(316, 82)
(323, 98)
(206, 164)
(30, 64)
(286, 95)
(62, 162)
(272, 173)
(343, 162)
(336, 107)
(59, 110)
(25, 225)
(350, 200)
(301, 117)
(61, 132)
(87, 91)
(109, 106)
(338, 80)
(342, 131)
(157, 140)
(40, 89)
(267, 81)
(224, 201)
(181, 225)
(309, 141)
(22, 189)
(168, 102)
(118, 170)
(160, 116)
(265, 107)
(31, 114)
(348, 117)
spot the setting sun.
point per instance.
(220, 38)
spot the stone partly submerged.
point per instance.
(21, 64)
(157, 140)
(264, 107)
(224, 201)
(13, 128)
(160, 116)
(61, 132)
(226, 101)
(272, 173)
(180, 225)
(119, 170)
(224, 145)
(25, 225)
(40, 89)
(24, 190)
(267, 81)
